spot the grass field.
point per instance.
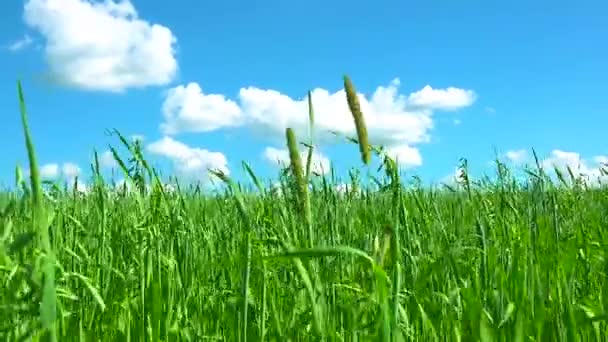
(492, 261)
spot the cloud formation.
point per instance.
(188, 109)
(189, 162)
(517, 156)
(590, 170)
(53, 171)
(49, 171)
(70, 170)
(444, 99)
(405, 155)
(101, 45)
(320, 164)
(453, 178)
(106, 160)
(394, 120)
(107, 57)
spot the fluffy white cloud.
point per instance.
(137, 138)
(189, 162)
(80, 187)
(122, 184)
(49, 171)
(276, 189)
(387, 116)
(405, 155)
(66, 172)
(21, 44)
(602, 160)
(454, 178)
(52, 171)
(70, 170)
(276, 156)
(106, 160)
(393, 120)
(188, 109)
(562, 160)
(102, 45)
(447, 99)
(320, 164)
(344, 188)
(517, 156)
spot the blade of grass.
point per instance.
(48, 306)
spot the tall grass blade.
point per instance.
(48, 305)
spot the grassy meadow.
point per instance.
(503, 260)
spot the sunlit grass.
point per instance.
(493, 261)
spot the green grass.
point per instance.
(489, 261)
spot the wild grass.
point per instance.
(491, 261)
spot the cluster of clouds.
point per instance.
(319, 164)
(96, 60)
(592, 170)
(396, 121)
(68, 172)
(53, 170)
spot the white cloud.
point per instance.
(387, 117)
(344, 188)
(562, 160)
(454, 178)
(70, 170)
(600, 159)
(590, 171)
(405, 155)
(52, 171)
(517, 156)
(137, 138)
(320, 164)
(106, 160)
(276, 189)
(21, 44)
(190, 162)
(122, 184)
(188, 109)
(169, 188)
(396, 121)
(102, 45)
(276, 156)
(49, 171)
(80, 186)
(447, 99)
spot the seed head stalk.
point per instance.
(301, 182)
(355, 109)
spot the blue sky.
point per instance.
(212, 83)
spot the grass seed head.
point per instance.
(296, 162)
(355, 109)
